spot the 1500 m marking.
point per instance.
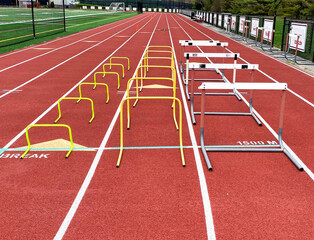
(257, 143)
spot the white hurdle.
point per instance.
(197, 43)
(205, 55)
(221, 66)
(240, 148)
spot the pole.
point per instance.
(34, 33)
(63, 16)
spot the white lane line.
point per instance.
(67, 93)
(66, 222)
(297, 95)
(306, 169)
(56, 40)
(56, 49)
(204, 190)
(49, 70)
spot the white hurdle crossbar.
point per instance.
(233, 93)
(205, 55)
(240, 148)
(197, 43)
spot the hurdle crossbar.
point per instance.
(234, 92)
(197, 43)
(206, 55)
(137, 95)
(47, 125)
(149, 98)
(75, 98)
(240, 148)
(143, 68)
(86, 83)
(145, 60)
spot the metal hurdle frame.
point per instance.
(143, 76)
(270, 38)
(234, 90)
(207, 55)
(294, 57)
(197, 43)
(242, 148)
(247, 27)
(148, 98)
(137, 94)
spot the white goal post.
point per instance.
(117, 6)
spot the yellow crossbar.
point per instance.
(120, 58)
(75, 98)
(157, 51)
(153, 46)
(112, 64)
(137, 95)
(143, 67)
(114, 73)
(104, 84)
(145, 60)
(47, 125)
(147, 98)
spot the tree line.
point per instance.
(299, 9)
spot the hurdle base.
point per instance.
(252, 149)
(227, 114)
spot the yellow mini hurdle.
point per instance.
(112, 64)
(148, 98)
(157, 51)
(137, 95)
(47, 125)
(145, 61)
(75, 98)
(143, 67)
(97, 73)
(120, 58)
(104, 84)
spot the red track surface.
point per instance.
(151, 196)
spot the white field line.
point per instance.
(45, 19)
(66, 222)
(65, 61)
(67, 93)
(56, 49)
(204, 190)
(297, 95)
(306, 169)
(58, 39)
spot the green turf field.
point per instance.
(16, 28)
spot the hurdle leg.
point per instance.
(187, 81)
(252, 113)
(134, 104)
(285, 151)
(192, 98)
(174, 115)
(209, 166)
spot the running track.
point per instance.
(151, 196)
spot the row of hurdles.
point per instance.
(141, 75)
(218, 86)
(80, 98)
